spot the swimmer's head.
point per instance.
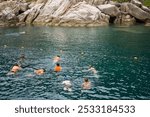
(22, 56)
(57, 64)
(16, 64)
(5, 46)
(86, 79)
(58, 56)
(135, 57)
(41, 69)
(44, 70)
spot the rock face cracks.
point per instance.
(72, 13)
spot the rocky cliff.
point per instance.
(72, 12)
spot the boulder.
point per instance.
(7, 14)
(41, 1)
(109, 9)
(5, 4)
(91, 2)
(2, 1)
(124, 19)
(72, 12)
(135, 11)
(83, 14)
(34, 12)
(62, 8)
(16, 7)
(145, 9)
(147, 23)
(7, 17)
(53, 8)
(8, 11)
(30, 15)
(137, 3)
(23, 7)
(32, 4)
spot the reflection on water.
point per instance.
(120, 55)
(128, 30)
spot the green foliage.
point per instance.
(147, 3)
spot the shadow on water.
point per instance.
(120, 55)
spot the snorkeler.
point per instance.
(92, 69)
(57, 68)
(21, 59)
(67, 85)
(56, 59)
(86, 84)
(39, 71)
(15, 68)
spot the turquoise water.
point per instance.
(120, 55)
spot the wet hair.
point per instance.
(58, 56)
(44, 70)
(16, 64)
(57, 64)
(86, 79)
(22, 56)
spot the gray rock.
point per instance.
(30, 15)
(52, 9)
(135, 11)
(41, 1)
(8, 14)
(71, 12)
(109, 9)
(34, 12)
(124, 19)
(15, 6)
(91, 2)
(145, 9)
(62, 8)
(137, 3)
(7, 17)
(83, 14)
(147, 23)
(23, 7)
(32, 4)
(2, 1)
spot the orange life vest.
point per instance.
(57, 68)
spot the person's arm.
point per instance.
(19, 68)
(82, 85)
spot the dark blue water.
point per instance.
(120, 55)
